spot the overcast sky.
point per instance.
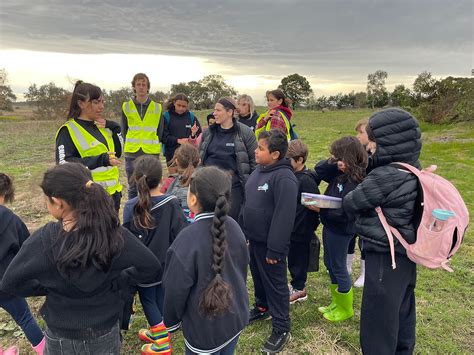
(253, 44)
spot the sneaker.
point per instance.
(298, 296)
(276, 342)
(258, 313)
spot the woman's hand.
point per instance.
(313, 208)
(100, 122)
(194, 130)
(113, 161)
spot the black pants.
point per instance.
(270, 284)
(388, 315)
(352, 244)
(298, 261)
(236, 201)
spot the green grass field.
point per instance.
(444, 300)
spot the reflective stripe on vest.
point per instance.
(267, 126)
(142, 133)
(88, 146)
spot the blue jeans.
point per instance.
(108, 343)
(335, 256)
(152, 299)
(20, 312)
(227, 350)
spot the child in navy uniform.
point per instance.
(306, 222)
(388, 315)
(343, 172)
(83, 264)
(156, 219)
(206, 270)
(268, 218)
(13, 233)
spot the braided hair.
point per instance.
(211, 186)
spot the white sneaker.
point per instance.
(360, 281)
(349, 260)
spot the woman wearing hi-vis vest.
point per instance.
(89, 139)
(278, 115)
(142, 127)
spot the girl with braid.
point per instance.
(155, 219)
(206, 270)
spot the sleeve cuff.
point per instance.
(275, 255)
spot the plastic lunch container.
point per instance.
(321, 201)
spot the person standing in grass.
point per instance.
(89, 139)
(142, 127)
(278, 115)
(180, 126)
(155, 219)
(13, 233)
(268, 218)
(229, 145)
(206, 270)
(343, 172)
(247, 114)
(388, 312)
(306, 222)
(84, 264)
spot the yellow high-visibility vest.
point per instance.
(267, 126)
(142, 133)
(88, 146)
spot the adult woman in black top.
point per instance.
(230, 145)
(247, 114)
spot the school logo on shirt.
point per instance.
(230, 145)
(264, 187)
(340, 187)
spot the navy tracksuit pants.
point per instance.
(270, 285)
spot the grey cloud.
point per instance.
(275, 37)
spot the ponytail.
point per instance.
(96, 237)
(141, 212)
(187, 159)
(211, 186)
(147, 174)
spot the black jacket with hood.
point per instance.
(244, 145)
(13, 233)
(270, 207)
(398, 139)
(82, 304)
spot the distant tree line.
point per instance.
(430, 99)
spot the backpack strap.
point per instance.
(166, 115)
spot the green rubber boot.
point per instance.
(344, 309)
(324, 309)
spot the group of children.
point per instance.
(188, 259)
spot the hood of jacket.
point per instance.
(398, 138)
(6, 216)
(280, 164)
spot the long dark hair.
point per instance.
(82, 92)
(6, 188)
(211, 186)
(353, 154)
(279, 95)
(147, 173)
(172, 101)
(187, 159)
(96, 237)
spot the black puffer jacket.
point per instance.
(398, 139)
(245, 145)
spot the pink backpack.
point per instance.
(436, 240)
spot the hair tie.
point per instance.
(89, 184)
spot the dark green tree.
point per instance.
(377, 94)
(297, 88)
(51, 101)
(7, 97)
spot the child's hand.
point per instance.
(341, 166)
(194, 130)
(271, 261)
(313, 208)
